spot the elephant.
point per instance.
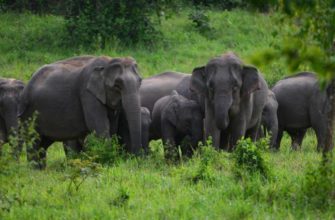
(269, 118)
(302, 104)
(160, 85)
(234, 96)
(10, 92)
(79, 95)
(175, 117)
(123, 130)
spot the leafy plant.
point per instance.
(79, 170)
(201, 22)
(122, 198)
(318, 189)
(97, 22)
(207, 153)
(248, 156)
(104, 150)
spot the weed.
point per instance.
(104, 150)
(318, 189)
(79, 171)
(248, 156)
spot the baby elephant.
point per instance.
(176, 119)
(10, 91)
(269, 118)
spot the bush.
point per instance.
(104, 150)
(248, 156)
(318, 189)
(201, 22)
(223, 4)
(97, 22)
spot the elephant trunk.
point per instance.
(222, 106)
(11, 123)
(211, 129)
(273, 128)
(132, 109)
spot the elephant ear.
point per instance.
(96, 84)
(251, 80)
(198, 80)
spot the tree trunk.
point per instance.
(329, 143)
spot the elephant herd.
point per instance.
(224, 99)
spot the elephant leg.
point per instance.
(96, 116)
(297, 137)
(320, 131)
(168, 138)
(224, 140)
(278, 140)
(253, 132)
(73, 147)
(238, 130)
(37, 153)
(2, 138)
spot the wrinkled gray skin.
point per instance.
(10, 90)
(157, 86)
(80, 95)
(301, 105)
(123, 130)
(269, 118)
(175, 117)
(235, 95)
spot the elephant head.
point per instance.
(224, 82)
(269, 117)
(10, 90)
(116, 84)
(186, 116)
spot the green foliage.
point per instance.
(222, 4)
(201, 22)
(248, 156)
(104, 150)
(79, 170)
(207, 155)
(95, 23)
(121, 198)
(25, 137)
(318, 189)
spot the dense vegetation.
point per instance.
(210, 185)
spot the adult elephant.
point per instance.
(157, 86)
(301, 105)
(269, 118)
(235, 95)
(80, 95)
(10, 91)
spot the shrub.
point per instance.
(80, 170)
(318, 189)
(223, 4)
(104, 150)
(248, 156)
(97, 22)
(207, 155)
(201, 22)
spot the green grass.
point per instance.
(150, 188)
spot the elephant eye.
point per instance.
(235, 88)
